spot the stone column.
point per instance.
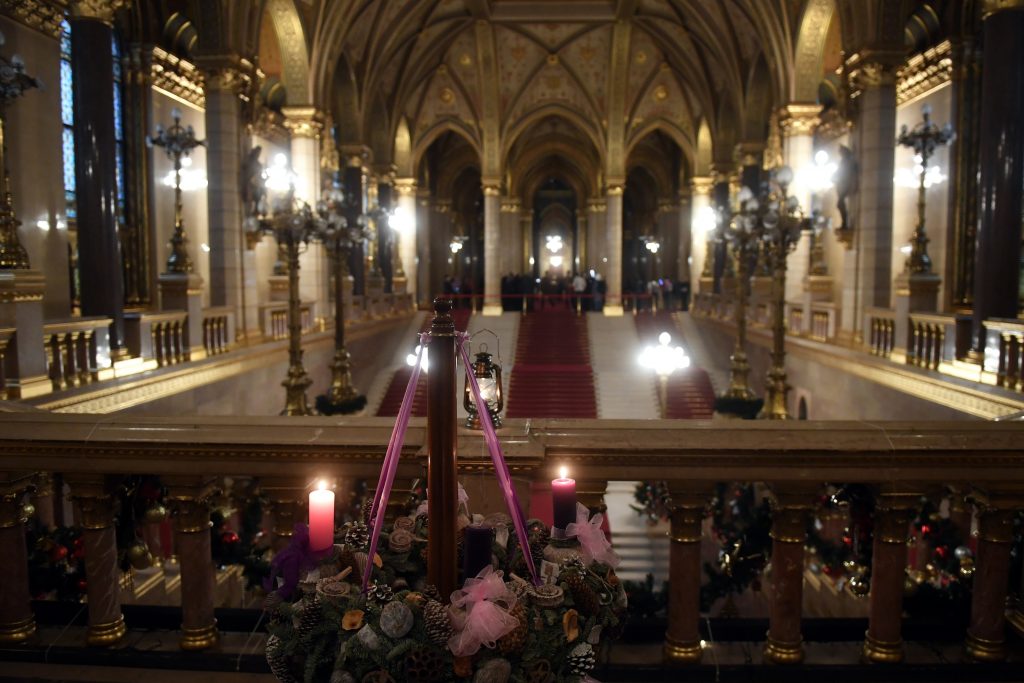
(511, 238)
(405, 188)
(354, 181)
(798, 122)
(684, 253)
(784, 642)
(425, 226)
(385, 233)
(582, 246)
(997, 261)
(526, 228)
(17, 623)
(97, 509)
(223, 168)
(682, 639)
(304, 126)
(613, 251)
(189, 499)
(722, 269)
(702, 268)
(492, 250)
(597, 215)
(883, 641)
(873, 136)
(668, 236)
(986, 635)
(99, 246)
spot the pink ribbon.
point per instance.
(476, 614)
(394, 452)
(593, 542)
(498, 459)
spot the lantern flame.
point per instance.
(563, 473)
(321, 485)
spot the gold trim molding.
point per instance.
(302, 122)
(39, 15)
(100, 10)
(924, 72)
(178, 77)
(799, 119)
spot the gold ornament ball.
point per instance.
(139, 556)
(28, 509)
(156, 514)
(967, 567)
(858, 586)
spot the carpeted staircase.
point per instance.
(690, 393)
(552, 376)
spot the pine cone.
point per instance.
(357, 536)
(278, 662)
(346, 559)
(309, 617)
(365, 509)
(439, 623)
(581, 661)
(515, 640)
(431, 593)
(424, 665)
(380, 592)
(586, 600)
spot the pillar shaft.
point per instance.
(883, 641)
(613, 251)
(700, 231)
(784, 642)
(405, 188)
(17, 622)
(354, 181)
(682, 639)
(492, 251)
(96, 201)
(986, 635)
(997, 261)
(96, 511)
(190, 502)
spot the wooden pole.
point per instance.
(442, 476)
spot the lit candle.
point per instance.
(563, 495)
(321, 518)
(476, 549)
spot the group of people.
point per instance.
(662, 294)
(578, 291)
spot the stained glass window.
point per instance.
(67, 115)
(115, 51)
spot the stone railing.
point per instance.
(274, 319)
(794, 318)
(158, 336)
(881, 323)
(218, 330)
(981, 462)
(72, 347)
(824, 320)
(932, 340)
(1006, 341)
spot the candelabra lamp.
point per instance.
(342, 229)
(13, 83)
(294, 224)
(924, 139)
(488, 378)
(781, 222)
(742, 232)
(178, 142)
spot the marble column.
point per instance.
(492, 250)
(99, 246)
(784, 642)
(874, 134)
(224, 200)
(385, 233)
(798, 122)
(997, 260)
(668, 236)
(17, 623)
(526, 229)
(304, 127)
(883, 641)
(684, 253)
(701, 227)
(353, 179)
(597, 211)
(682, 639)
(408, 234)
(511, 237)
(425, 227)
(986, 634)
(613, 251)
(189, 498)
(97, 510)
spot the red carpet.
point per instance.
(552, 376)
(690, 394)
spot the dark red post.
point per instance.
(442, 475)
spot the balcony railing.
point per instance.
(1010, 346)
(71, 348)
(218, 330)
(983, 463)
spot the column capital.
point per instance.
(491, 190)
(225, 72)
(355, 156)
(597, 205)
(99, 10)
(873, 68)
(701, 185)
(616, 190)
(750, 153)
(303, 122)
(405, 187)
(511, 205)
(189, 500)
(990, 7)
(799, 118)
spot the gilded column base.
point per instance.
(105, 635)
(984, 650)
(18, 631)
(779, 652)
(683, 653)
(881, 651)
(199, 638)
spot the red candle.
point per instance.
(563, 497)
(321, 518)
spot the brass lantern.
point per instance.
(488, 378)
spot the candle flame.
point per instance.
(563, 472)
(321, 485)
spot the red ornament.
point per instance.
(847, 540)
(925, 530)
(58, 553)
(827, 570)
(229, 538)
(82, 585)
(941, 552)
(77, 543)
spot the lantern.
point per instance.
(488, 378)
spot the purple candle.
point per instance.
(563, 497)
(476, 549)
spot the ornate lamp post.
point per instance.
(13, 82)
(924, 138)
(178, 142)
(664, 359)
(781, 223)
(742, 233)
(341, 231)
(294, 224)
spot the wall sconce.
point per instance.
(488, 378)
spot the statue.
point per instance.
(253, 190)
(846, 184)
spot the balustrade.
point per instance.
(980, 462)
(929, 340)
(71, 351)
(218, 330)
(274, 317)
(882, 326)
(794, 318)
(1009, 350)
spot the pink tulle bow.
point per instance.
(593, 542)
(477, 616)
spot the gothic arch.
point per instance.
(446, 125)
(514, 131)
(291, 37)
(345, 104)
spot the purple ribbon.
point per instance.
(500, 466)
(394, 452)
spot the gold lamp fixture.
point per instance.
(488, 378)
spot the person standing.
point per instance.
(579, 288)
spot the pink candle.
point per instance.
(321, 518)
(563, 497)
